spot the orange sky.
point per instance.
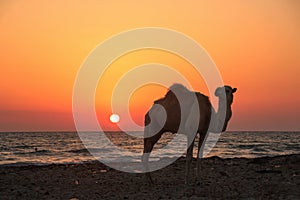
(256, 46)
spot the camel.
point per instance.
(178, 105)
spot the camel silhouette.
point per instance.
(178, 108)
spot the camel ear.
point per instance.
(234, 90)
(218, 91)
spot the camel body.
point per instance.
(178, 106)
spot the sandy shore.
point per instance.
(239, 178)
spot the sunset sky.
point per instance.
(255, 44)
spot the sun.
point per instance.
(114, 118)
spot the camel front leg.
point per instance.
(145, 160)
(148, 147)
(189, 158)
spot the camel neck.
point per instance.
(223, 105)
(224, 109)
(220, 117)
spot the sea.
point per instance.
(44, 148)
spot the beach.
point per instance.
(233, 178)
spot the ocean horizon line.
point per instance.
(118, 131)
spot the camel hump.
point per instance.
(178, 89)
(175, 89)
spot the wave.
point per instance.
(28, 164)
(34, 152)
(260, 149)
(85, 150)
(24, 147)
(78, 151)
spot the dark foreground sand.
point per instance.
(260, 178)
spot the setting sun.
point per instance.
(114, 118)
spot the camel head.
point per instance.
(227, 100)
(228, 93)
